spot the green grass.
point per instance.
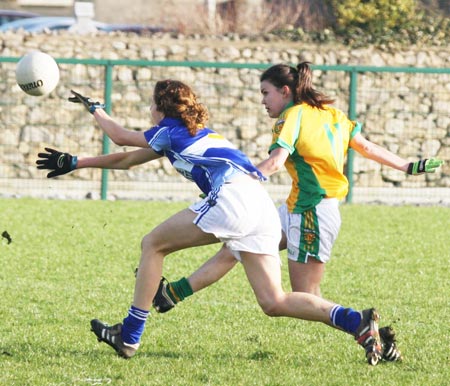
(71, 261)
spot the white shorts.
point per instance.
(243, 216)
(313, 232)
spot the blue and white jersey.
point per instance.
(207, 158)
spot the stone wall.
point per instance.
(408, 113)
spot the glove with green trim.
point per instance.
(89, 103)
(424, 166)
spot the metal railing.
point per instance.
(351, 74)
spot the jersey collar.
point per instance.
(288, 106)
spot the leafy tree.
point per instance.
(374, 16)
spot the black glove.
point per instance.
(90, 105)
(59, 163)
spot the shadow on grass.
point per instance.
(262, 356)
(99, 350)
(255, 356)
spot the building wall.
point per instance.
(142, 11)
(407, 113)
(115, 11)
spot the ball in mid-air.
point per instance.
(37, 73)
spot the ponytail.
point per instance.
(305, 92)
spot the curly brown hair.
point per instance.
(177, 100)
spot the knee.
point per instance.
(271, 306)
(150, 243)
(146, 242)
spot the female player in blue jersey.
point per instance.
(236, 211)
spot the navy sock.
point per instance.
(346, 318)
(134, 325)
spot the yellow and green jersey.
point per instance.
(317, 141)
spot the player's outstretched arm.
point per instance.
(118, 134)
(122, 160)
(60, 163)
(383, 156)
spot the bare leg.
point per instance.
(264, 275)
(213, 270)
(217, 267)
(283, 242)
(176, 233)
(306, 277)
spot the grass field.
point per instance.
(71, 261)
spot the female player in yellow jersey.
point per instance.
(311, 139)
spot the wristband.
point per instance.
(416, 167)
(96, 106)
(74, 162)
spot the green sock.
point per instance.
(179, 290)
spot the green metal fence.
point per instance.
(379, 97)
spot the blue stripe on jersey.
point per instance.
(207, 158)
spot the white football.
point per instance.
(37, 73)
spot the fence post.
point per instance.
(353, 87)
(105, 144)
